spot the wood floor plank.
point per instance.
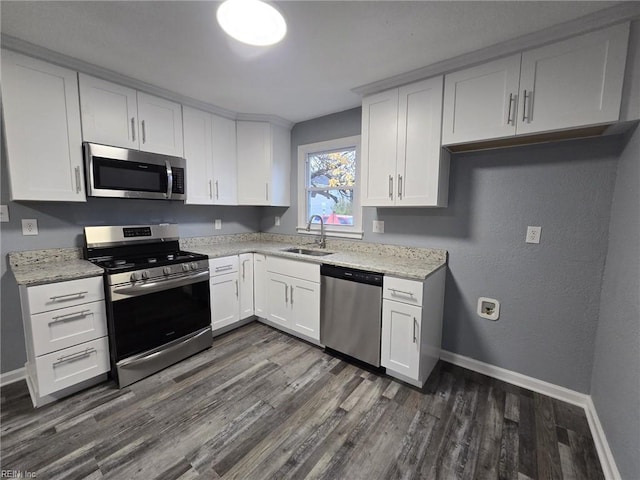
(261, 404)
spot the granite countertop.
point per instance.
(48, 266)
(57, 265)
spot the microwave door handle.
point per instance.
(169, 179)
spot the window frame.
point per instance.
(343, 231)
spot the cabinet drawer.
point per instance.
(401, 290)
(220, 266)
(67, 327)
(53, 296)
(72, 365)
(294, 268)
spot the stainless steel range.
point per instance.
(158, 304)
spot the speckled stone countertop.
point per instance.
(406, 262)
(39, 267)
(57, 265)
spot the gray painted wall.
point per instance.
(550, 292)
(615, 387)
(60, 225)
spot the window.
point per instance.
(327, 174)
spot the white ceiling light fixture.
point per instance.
(252, 21)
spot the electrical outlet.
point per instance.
(29, 226)
(277, 221)
(378, 226)
(4, 213)
(488, 308)
(533, 234)
(218, 224)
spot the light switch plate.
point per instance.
(218, 224)
(4, 213)
(277, 221)
(378, 226)
(29, 226)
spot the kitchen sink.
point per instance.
(306, 251)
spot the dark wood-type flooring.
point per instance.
(263, 405)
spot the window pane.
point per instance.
(336, 169)
(334, 206)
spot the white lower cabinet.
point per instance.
(412, 326)
(65, 336)
(224, 288)
(260, 284)
(246, 285)
(293, 297)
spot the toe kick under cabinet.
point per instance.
(412, 326)
(65, 336)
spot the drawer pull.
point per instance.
(396, 291)
(60, 318)
(224, 268)
(76, 294)
(75, 356)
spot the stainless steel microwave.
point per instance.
(123, 173)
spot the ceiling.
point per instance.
(331, 47)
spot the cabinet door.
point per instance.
(573, 83)
(280, 167)
(109, 113)
(379, 145)
(246, 285)
(160, 125)
(42, 127)
(419, 128)
(260, 285)
(400, 349)
(279, 309)
(480, 102)
(254, 164)
(198, 153)
(225, 162)
(304, 298)
(225, 294)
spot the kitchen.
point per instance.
(557, 298)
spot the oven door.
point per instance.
(150, 314)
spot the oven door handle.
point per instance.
(150, 287)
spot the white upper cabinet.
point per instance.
(42, 126)
(198, 154)
(225, 161)
(109, 113)
(122, 117)
(264, 158)
(480, 102)
(568, 84)
(402, 161)
(573, 83)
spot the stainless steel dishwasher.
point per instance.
(351, 312)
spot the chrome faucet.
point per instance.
(322, 240)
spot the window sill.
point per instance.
(332, 233)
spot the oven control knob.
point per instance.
(166, 270)
(135, 276)
(186, 267)
(194, 266)
(145, 274)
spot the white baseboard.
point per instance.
(607, 461)
(12, 376)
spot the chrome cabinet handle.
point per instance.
(512, 101)
(395, 292)
(237, 291)
(291, 287)
(224, 268)
(414, 330)
(59, 318)
(391, 187)
(210, 190)
(76, 294)
(217, 191)
(133, 129)
(400, 186)
(144, 133)
(525, 102)
(78, 188)
(286, 297)
(266, 187)
(75, 356)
